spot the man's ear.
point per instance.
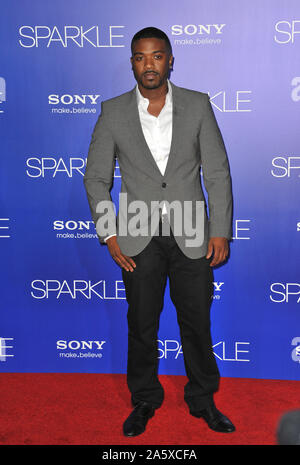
(171, 59)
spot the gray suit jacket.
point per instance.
(196, 142)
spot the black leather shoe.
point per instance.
(137, 420)
(215, 419)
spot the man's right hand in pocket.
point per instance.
(122, 260)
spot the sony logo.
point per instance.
(192, 29)
(71, 225)
(75, 345)
(68, 99)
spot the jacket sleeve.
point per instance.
(98, 177)
(216, 175)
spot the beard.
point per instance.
(150, 84)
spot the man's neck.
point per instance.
(154, 94)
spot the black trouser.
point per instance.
(191, 291)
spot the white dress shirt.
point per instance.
(157, 131)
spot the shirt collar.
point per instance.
(141, 100)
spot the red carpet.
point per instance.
(76, 409)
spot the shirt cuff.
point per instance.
(112, 235)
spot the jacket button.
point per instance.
(164, 184)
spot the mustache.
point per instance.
(150, 72)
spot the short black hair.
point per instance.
(151, 32)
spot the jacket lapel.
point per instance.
(176, 125)
(137, 130)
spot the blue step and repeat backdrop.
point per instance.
(63, 306)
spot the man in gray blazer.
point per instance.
(162, 135)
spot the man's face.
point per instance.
(151, 62)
